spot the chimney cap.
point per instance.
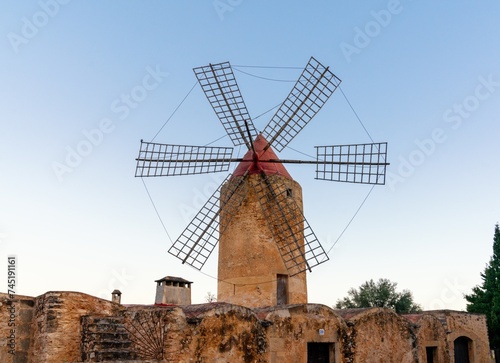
(174, 279)
(116, 292)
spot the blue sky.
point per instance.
(423, 76)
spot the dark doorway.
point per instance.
(320, 353)
(431, 354)
(282, 293)
(462, 345)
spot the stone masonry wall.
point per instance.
(472, 326)
(252, 260)
(56, 333)
(16, 317)
(378, 335)
(291, 328)
(73, 327)
(430, 333)
(225, 333)
(105, 338)
(215, 332)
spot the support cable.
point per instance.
(156, 210)
(352, 108)
(173, 113)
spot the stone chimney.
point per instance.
(172, 290)
(116, 296)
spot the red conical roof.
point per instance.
(256, 164)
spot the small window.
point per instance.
(289, 193)
(282, 290)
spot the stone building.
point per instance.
(62, 326)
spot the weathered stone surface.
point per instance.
(379, 336)
(73, 327)
(430, 333)
(56, 333)
(16, 318)
(105, 338)
(249, 260)
(226, 333)
(294, 326)
(473, 326)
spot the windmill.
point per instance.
(256, 213)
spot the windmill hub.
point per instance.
(257, 161)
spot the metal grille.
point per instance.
(147, 330)
(167, 160)
(361, 163)
(221, 89)
(297, 244)
(200, 237)
(313, 88)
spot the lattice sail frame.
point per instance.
(297, 244)
(222, 91)
(355, 163)
(197, 242)
(311, 91)
(169, 160)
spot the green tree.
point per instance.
(485, 299)
(380, 294)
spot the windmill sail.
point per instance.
(357, 163)
(223, 93)
(297, 244)
(168, 160)
(313, 88)
(197, 242)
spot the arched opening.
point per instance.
(463, 348)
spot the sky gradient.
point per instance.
(81, 83)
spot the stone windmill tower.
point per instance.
(251, 270)
(256, 215)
